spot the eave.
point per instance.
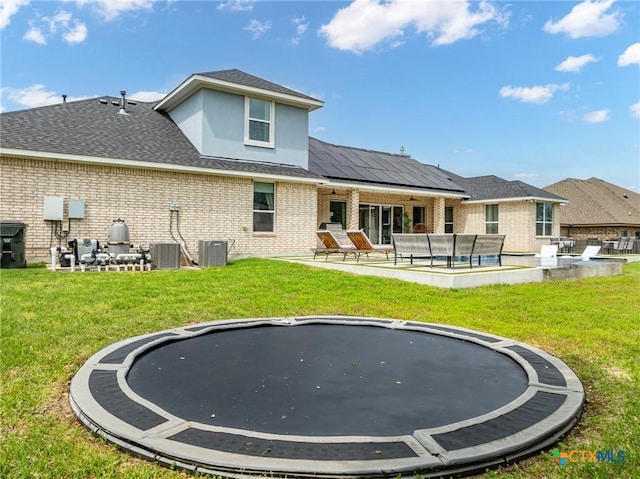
(150, 165)
(196, 82)
(390, 189)
(530, 199)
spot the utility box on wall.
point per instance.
(76, 209)
(53, 208)
(212, 253)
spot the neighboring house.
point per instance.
(597, 209)
(227, 155)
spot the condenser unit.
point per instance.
(212, 253)
(165, 255)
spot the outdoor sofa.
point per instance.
(447, 245)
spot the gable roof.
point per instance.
(494, 188)
(93, 131)
(237, 82)
(369, 167)
(595, 202)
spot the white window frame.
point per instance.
(546, 222)
(270, 122)
(486, 220)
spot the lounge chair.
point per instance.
(332, 244)
(548, 251)
(625, 245)
(548, 255)
(589, 252)
(363, 244)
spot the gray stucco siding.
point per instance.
(214, 122)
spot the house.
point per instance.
(597, 209)
(227, 155)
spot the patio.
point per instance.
(515, 269)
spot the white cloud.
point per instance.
(301, 28)
(77, 34)
(34, 96)
(630, 56)
(536, 94)
(34, 34)
(597, 116)
(364, 24)
(257, 28)
(575, 64)
(147, 96)
(569, 116)
(111, 9)
(237, 5)
(72, 30)
(525, 176)
(635, 110)
(587, 19)
(9, 8)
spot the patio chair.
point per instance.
(589, 252)
(548, 251)
(332, 244)
(413, 245)
(363, 244)
(489, 245)
(548, 255)
(463, 245)
(441, 245)
(628, 248)
(419, 228)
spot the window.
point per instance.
(258, 127)
(491, 219)
(419, 216)
(448, 219)
(544, 219)
(264, 207)
(338, 213)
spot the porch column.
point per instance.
(353, 207)
(438, 215)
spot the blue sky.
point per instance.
(536, 91)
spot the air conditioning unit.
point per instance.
(165, 255)
(212, 253)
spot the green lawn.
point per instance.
(52, 322)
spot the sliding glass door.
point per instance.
(379, 221)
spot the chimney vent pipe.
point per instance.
(123, 102)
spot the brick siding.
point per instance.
(211, 207)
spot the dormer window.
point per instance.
(258, 126)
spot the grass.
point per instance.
(52, 323)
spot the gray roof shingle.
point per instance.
(491, 188)
(596, 202)
(375, 167)
(241, 78)
(92, 128)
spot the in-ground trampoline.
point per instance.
(327, 396)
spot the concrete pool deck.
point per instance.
(515, 269)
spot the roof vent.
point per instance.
(123, 103)
(64, 98)
(103, 101)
